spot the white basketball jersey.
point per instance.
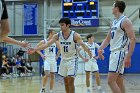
(92, 49)
(50, 51)
(68, 46)
(119, 38)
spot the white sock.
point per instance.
(99, 87)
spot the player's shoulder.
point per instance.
(126, 22)
(76, 34)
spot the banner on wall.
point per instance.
(30, 19)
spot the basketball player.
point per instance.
(122, 43)
(91, 65)
(68, 40)
(50, 57)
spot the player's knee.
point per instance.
(110, 81)
(71, 81)
(46, 74)
(52, 76)
(66, 83)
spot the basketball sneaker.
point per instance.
(42, 90)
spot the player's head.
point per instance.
(4, 57)
(90, 38)
(51, 32)
(65, 23)
(118, 6)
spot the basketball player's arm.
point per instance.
(106, 41)
(13, 41)
(127, 26)
(104, 44)
(81, 43)
(50, 42)
(39, 44)
(58, 47)
(5, 29)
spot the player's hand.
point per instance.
(100, 54)
(127, 61)
(24, 44)
(86, 60)
(31, 51)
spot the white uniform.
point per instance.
(118, 46)
(68, 64)
(91, 65)
(50, 61)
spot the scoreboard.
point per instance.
(83, 13)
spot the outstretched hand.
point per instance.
(127, 61)
(24, 44)
(31, 50)
(100, 54)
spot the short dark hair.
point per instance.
(50, 31)
(65, 20)
(89, 36)
(121, 5)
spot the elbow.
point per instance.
(6, 32)
(5, 39)
(133, 40)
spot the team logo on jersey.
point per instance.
(65, 43)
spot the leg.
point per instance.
(120, 83)
(45, 79)
(52, 76)
(66, 82)
(88, 79)
(97, 77)
(71, 85)
(112, 78)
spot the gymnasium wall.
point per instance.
(15, 11)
